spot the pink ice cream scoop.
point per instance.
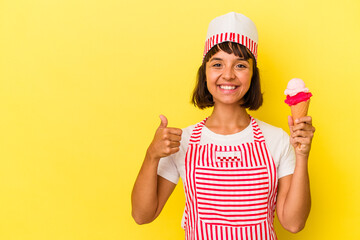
(296, 92)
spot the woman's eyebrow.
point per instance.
(220, 59)
(215, 59)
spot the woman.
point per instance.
(236, 169)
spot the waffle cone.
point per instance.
(300, 110)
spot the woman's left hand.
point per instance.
(301, 134)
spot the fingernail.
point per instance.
(297, 120)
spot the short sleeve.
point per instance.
(167, 169)
(287, 158)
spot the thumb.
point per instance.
(164, 121)
(290, 121)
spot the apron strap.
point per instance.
(258, 135)
(196, 133)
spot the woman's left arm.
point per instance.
(293, 200)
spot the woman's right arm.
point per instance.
(151, 191)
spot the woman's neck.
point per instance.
(228, 119)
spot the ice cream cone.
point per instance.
(300, 110)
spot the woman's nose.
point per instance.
(228, 73)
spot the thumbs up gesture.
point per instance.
(166, 140)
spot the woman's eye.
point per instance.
(241, 66)
(217, 65)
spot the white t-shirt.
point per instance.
(276, 139)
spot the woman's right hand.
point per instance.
(166, 140)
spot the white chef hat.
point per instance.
(232, 27)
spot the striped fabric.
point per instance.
(230, 190)
(231, 37)
(232, 197)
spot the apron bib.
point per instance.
(230, 190)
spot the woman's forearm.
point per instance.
(298, 200)
(144, 196)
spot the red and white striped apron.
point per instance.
(230, 190)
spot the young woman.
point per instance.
(236, 170)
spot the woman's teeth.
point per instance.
(227, 87)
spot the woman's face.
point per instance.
(228, 77)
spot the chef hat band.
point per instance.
(232, 27)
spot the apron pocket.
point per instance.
(232, 196)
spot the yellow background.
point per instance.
(82, 83)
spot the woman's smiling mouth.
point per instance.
(227, 87)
